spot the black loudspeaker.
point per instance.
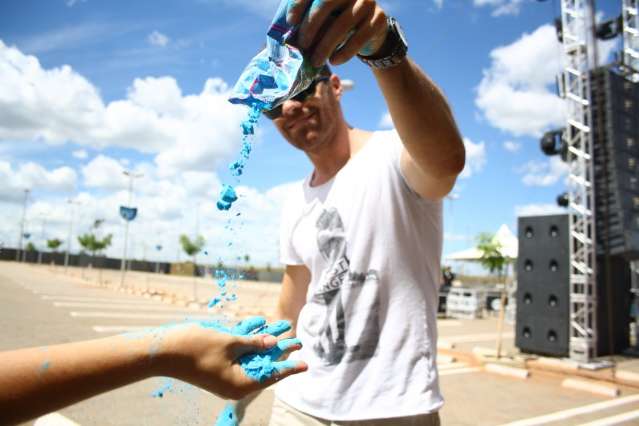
(542, 285)
(615, 124)
(543, 291)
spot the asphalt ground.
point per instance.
(40, 306)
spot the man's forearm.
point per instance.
(40, 380)
(423, 119)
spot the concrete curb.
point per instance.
(518, 373)
(592, 386)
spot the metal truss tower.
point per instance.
(630, 30)
(576, 32)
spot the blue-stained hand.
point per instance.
(337, 30)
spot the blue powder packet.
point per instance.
(277, 73)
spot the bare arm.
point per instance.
(36, 381)
(293, 294)
(433, 149)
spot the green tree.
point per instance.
(192, 248)
(491, 257)
(30, 247)
(94, 244)
(54, 244)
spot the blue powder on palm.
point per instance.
(45, 367)
(227, 417)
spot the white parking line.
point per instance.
(96, 299)
(448, 323)
(127, 315)
(566, 414)
(615, 420)
(145, 307)
(481, 337)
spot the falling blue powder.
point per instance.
(227, 197)
(231, 298)
(227, 417)
(214, 302)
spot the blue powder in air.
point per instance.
(227, 417)
(227, 195)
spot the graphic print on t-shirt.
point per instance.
(349, 301)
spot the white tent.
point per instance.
(504, 236)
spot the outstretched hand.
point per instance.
(337, 30)
(230, 362)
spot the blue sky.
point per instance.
(89, 88)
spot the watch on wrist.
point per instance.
(393, 50)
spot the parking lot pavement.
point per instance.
(42, 307)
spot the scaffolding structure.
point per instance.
(630, 32)
(576, 25)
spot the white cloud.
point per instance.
(158, 39)
(386, 122)
(33, 176)
(71, 3)
(475, 158)
(538, 210)
(80, 154)
(514, 93)
(439, 3)
(104, 173)
(511, 146)
(167, 207)
(59, 105)
(546, 173)
(501, 7)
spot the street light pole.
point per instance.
(131, 176)
(71, 203)
(43, 239)
(24, 215)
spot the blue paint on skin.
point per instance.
(45, 367)
(227, 417)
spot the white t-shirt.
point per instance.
(368, 327)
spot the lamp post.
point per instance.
(71, 203)
(24, 214)
(43, 239)
(131, 176)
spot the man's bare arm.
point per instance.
(293, 294)
(434, 152)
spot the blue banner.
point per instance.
(128, 213)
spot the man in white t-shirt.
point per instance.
(361, 237)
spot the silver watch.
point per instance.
(393, 50)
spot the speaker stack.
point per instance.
(543, 272)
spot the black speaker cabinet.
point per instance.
(543, 291)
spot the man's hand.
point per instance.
(350, 26)
(213, 360)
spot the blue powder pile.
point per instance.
(227, 417)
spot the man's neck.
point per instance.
(336, 154)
